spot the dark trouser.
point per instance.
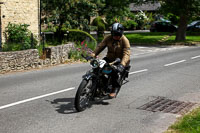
(115, 80)
(114, 75)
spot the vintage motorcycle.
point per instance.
(96, 83)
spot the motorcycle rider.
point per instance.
(118, 47)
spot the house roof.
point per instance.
(145, 7)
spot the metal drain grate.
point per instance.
(162, 104)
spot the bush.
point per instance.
(85, 48)
(76, 35)
(12, 47)
(100, 24)
(129, 25)
(87, 45)
(141, 20)
(173, 18)
(18, 37)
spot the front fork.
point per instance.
(90, 77)
(125, 75)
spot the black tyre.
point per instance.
(83, 95)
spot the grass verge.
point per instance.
(154, 38)
(190, 123)
(145, 38)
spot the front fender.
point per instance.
(88, 76)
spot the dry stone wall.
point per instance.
(20, 60)
(29, 59)
(59, 54)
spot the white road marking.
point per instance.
(138, 71)
(147, 50)
(175, 63)
(34, 98)
(140, 47)
(195, 57)
(144, 53)
(54, 93)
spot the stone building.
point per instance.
(20, 12)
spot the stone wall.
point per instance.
(19, 60)
(29, 59)
(59, 54)
(20, 11)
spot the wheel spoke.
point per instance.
(84, 98)
(83, 95)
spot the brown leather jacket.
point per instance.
(116, 49)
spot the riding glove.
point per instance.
(120, 68)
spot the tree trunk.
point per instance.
(182, 27)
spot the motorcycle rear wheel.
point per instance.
(83, 95)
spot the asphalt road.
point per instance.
(41, 101)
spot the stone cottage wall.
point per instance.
(20, 11)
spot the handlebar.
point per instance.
(112, 64)
(117, 60)
(87, 57)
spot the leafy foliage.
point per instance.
(185, 10)
(100, 24)
(79, 35)
(173, 18)
(188, 8)
(100, 6)
(129, 25)
(141, 20)
(18, 37)
(83, 48)
(119, 11)
(116, 10)
(69, 14)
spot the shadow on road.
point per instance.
(64, 105)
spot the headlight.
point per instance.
(94, 64)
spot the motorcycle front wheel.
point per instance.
(83, 95)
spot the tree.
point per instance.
(112, 9)
(68, 14)
(185, 10)
(100, 6)
(116, 9)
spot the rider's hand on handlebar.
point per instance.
(93, 55)
(88, 58)
(120, 68)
